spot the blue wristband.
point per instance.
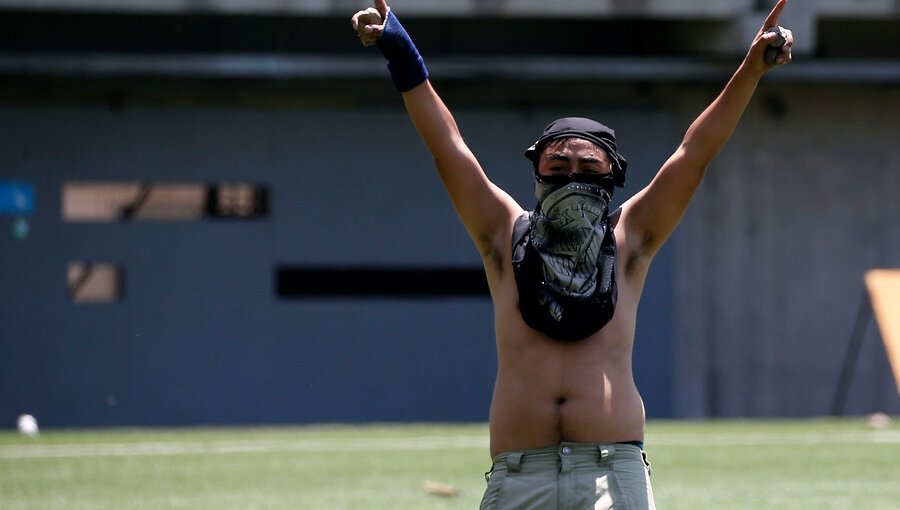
(404, 61)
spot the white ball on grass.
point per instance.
(28, 425)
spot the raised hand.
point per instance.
(369, 24)
(766, 39)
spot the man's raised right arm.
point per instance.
(485, 210)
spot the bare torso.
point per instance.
(548, 391)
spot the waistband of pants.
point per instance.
(572, 454)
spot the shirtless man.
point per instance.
(566, 420)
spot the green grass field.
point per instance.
(814, 464)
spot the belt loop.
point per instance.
(606, 451)
(514, 462)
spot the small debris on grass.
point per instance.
(878, 421)
(440, 489)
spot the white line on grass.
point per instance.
(775, 438)
(356, 444)
(241, 446)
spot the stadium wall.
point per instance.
(771, 256)
(200, 334)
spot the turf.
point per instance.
(820, 464)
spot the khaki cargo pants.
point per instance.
(572, 476)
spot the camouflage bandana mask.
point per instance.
(568, 231)
(564, 259)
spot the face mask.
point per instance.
(567, 232)
(564, 258)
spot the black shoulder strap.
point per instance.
(520, 236)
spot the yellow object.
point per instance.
(884, 291)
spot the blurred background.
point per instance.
(217, 212)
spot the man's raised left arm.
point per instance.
(654, 212)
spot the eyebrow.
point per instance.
(562, 157)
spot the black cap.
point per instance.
(587, 129)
